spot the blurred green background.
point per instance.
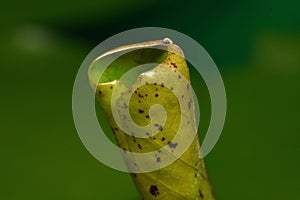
(256, 46)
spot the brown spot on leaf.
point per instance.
(174, 65)
(189, 105)
(201, 194)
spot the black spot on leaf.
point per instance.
(141, 111)
(154, 190)
(139, 146)
(160, 128)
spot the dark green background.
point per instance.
(256, 46)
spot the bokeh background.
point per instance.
(256, 46)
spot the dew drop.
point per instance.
(167, 41)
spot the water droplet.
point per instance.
(167, 41)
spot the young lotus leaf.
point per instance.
(140, 128)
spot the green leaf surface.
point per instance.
(186, 178)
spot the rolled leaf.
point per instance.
(162, 84)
